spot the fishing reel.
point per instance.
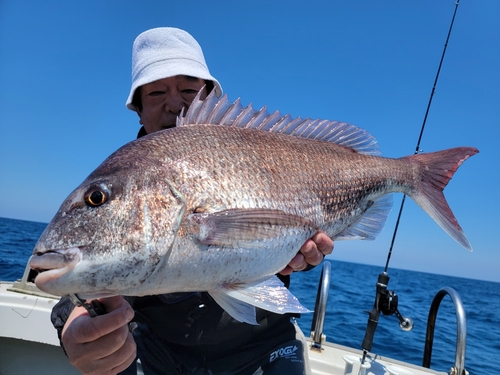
(389, 306)
(386, 302)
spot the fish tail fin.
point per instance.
(439, 168)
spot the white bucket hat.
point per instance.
(166, 52)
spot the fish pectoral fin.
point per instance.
(371, 223)
(240, 300)
(241, 311)
(234, 226)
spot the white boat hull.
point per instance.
(29, 343)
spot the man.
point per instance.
(180, 333)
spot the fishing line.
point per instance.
(417, 148)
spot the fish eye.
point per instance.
(96, 196)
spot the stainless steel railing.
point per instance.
(459, 368)
(320, 307)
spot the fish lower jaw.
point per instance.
(45, 278)
(52, 265)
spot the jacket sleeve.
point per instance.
(60, 314)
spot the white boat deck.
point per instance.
(330, 361)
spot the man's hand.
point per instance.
(311, 253)
(100, 345)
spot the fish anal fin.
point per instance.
(368, 226)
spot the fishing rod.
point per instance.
(386, 301)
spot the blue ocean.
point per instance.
(352, 292)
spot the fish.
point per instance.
(223, 201)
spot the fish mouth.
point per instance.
(52, 264)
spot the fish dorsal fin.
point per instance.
(222, 111)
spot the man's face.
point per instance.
(163, 100)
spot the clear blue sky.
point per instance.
(65, 76)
